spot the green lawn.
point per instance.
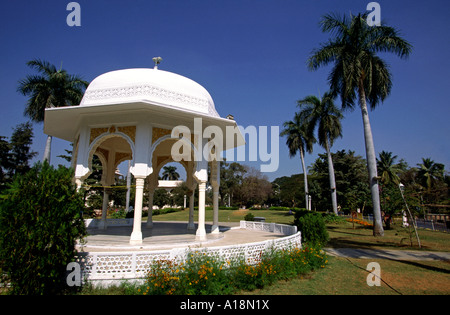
(343, 235)
(276, 216)
(348, 276)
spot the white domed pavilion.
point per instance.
(131, 115)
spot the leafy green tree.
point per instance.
(351, 178)
(255, 188)
(40, 223)
(15, 154)
(327, 117)
(178, 193)
(231, 178)
(21, 154)
(298, 140)
(161, 197)
(5, 160)
(359, 74)
(288, 189)
(51, 88)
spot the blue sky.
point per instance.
(249, 54)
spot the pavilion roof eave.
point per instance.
(65, 122)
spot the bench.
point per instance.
(259, 219)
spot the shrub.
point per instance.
(249, 217)
(40, 222)
(332, 218)
(201, 273)
(312, 226)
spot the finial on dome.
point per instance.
(157, 61)
(230, 117)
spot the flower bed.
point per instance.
(204, 273)
(362, 222)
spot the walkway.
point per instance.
(388, 254)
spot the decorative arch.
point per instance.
(156, 143)
(95, 148)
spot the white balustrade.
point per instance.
(106, 267)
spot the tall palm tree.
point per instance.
(170, 173)
(298, 140)
(51, 88)
(323, 114)
(358, 73)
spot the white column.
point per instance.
(79, 183)
(102, 225)
(215, 182)
(201, 231)
(215, 227)
(150, 209)
(136, 235)
(191, 225)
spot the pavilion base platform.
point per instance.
(168, 235)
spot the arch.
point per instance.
(189, 169)
(119, 158)
(164, 162)
(194, 155)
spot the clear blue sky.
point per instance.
(249, 54)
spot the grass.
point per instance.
(277, 216)
(344, 276)
(343, 235)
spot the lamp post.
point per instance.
(402, 188)
(404, 218)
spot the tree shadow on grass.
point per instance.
(338, 242)
(424, 266)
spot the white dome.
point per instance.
(153, 86)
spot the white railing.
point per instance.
(94, 223)
(269, 227)
(108, 267)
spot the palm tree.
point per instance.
(297, 141)
(322, 113)
(170, 173)
(387, 170)
(51, 88)
(430, 172)
(358, 73)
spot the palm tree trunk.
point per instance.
(332, 179)
(47, 151)
(371, 165)
(306, 179)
